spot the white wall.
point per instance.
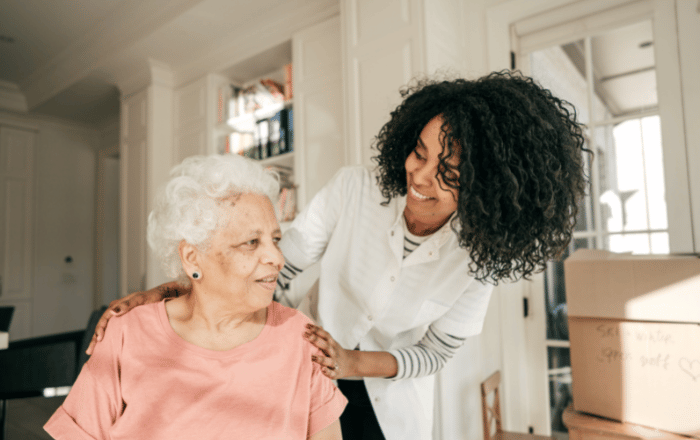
(64, 211)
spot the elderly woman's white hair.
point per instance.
(189, 208)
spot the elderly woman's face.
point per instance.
(243, 260)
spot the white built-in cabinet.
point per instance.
(315, 54)
(133, 195)
(387, 44)
(146, 157)
(163, 124)
(16, 226)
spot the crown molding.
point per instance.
(161, 74)
(35, 122)
(130, 22)
(12, 98)
(155, 73)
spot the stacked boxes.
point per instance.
(634, 327)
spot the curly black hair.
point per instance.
(521, 169)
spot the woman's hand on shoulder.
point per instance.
(120, 306)
(335, 361)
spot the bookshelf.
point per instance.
(318, 123)
(203, 121)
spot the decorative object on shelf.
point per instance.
(288, 91)
(286, 206)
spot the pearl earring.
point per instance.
(195, 275)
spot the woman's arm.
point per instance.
(120, 306)
(428, 356)
(422, 359)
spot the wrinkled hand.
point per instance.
(335, 361)
(119, 307)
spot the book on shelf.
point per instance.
(276, 89)
(278, 133)
(290, 130)
(288, 91)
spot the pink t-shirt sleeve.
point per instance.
(91, 407)
(327, 402)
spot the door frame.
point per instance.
(528, 402)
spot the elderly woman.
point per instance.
(223, 361)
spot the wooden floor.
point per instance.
(26, 417)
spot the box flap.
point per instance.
(601, 284)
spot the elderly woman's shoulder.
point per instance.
(147, 314)
(283, 315)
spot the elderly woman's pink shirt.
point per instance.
(145, 382)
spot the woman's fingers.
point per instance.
(100, 328)
(321, 332)
(323, 361)
(319, 342)
(333, 359)
(329, 367)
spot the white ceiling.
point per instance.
(42, 29)
(73, 58)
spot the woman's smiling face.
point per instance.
(429, 201)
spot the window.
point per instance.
(606, 65)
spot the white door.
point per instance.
(619, 68)
(16, 226)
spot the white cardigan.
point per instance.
(368, 294)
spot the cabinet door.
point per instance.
(384, 50)
(16, 175)
(318, 104)
(318, 119)
(133, 194)
(191, 120)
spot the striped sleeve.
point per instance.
(286, 275)
(428, 356)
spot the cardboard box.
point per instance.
(634, 327)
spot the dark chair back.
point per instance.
(6, 317)
(30, 365)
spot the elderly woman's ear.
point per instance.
(188, 256)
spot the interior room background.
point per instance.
(98, 100)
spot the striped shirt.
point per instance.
(426, 357)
